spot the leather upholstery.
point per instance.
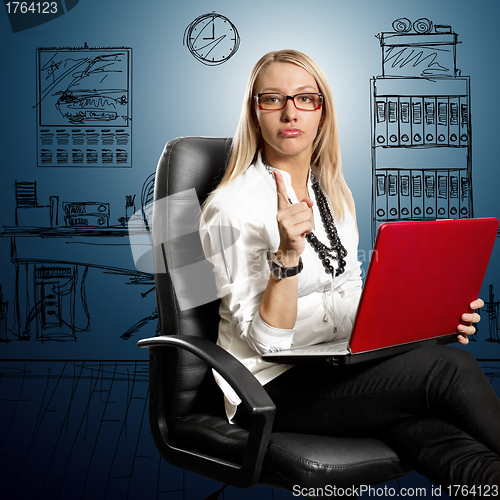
(177, 172)
(186, 405)
(306, 460)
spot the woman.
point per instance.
(283, 204)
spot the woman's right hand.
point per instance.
(294, 222)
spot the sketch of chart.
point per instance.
(84, 108)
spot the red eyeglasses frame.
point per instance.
(292, 97)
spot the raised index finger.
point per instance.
(281, 189)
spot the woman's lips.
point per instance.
(290, 132)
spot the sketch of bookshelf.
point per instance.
(421, 127)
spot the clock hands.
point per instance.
(200, 37)
(213, 33)
(214, 44)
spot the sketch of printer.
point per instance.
(90, 105)
(86, 214)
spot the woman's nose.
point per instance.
(289, 112)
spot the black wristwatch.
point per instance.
(278, 269)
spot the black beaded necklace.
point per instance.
(336, 250)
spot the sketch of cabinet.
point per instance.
(421, 130)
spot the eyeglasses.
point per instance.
(304, 102)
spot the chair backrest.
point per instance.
(187, 163)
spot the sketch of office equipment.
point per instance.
(84, 108)
(491, 308)
(29, 211)
(421, 127)
(51, 288)
(86, 214)
(55, 290)
(427, 51)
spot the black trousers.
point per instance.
(434, 406)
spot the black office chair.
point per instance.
(187, 420)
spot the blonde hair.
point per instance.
(325, 160)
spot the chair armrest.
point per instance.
(253, 396)
(244, 383)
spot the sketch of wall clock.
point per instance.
(212, 39)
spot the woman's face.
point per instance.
(288, 132)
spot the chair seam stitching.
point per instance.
(345, 466)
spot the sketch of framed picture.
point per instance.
(84, 108)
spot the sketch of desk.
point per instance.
(51, 268)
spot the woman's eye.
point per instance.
(272, 99)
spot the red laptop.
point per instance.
(421, 278)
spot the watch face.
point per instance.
(212, 39)
(276, 272)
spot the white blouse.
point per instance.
(237, 229)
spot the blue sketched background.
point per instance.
(85, 387)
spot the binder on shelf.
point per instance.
(380, 127)
(454, 128)
(464, 195)
(405, 195)
(417, 194)
(429, 194)
(417, 127)
(392, 122)
(380, 208)
(442, 133)
(442, 195)
(429, 120)
(392, 196)
(404, 121)
(464, 121)
(454, 202)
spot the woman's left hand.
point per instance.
(465, 330)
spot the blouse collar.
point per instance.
(287, 179)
